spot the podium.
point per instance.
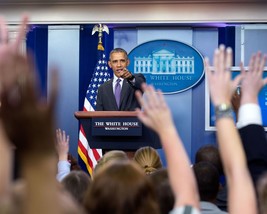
(116, 130)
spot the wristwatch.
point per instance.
(223, 110)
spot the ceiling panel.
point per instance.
(124, 1)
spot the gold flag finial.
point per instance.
(100, 29)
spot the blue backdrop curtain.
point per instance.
(37, 45)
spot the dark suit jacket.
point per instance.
(254, 142)
(106, 99)
(255, 146)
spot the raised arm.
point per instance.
(6, 166)
(157, 116)
(62, 146)
(241, 193)
(29, 123)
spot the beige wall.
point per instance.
(128, 12)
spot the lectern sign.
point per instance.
(116, 127)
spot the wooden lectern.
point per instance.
(116, 130)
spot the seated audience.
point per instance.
(208, 181)
(148, 159)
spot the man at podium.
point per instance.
(118, 94)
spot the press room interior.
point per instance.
(60, 34)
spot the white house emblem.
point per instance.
(169, 65)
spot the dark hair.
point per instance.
(73, 163)
(211, 154)
(121, 188)
(207, 177)
(76, 183)
(118, 50)
(164, 193)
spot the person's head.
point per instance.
(148, 159)
(113, 155)
(164, 193)
(118, 60)
(262, 193)
(207, 177)
(121, 187)
(73, 162)
(211, 154)
(76, 183)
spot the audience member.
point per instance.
(208, 181)
(250, 125)
(20, 105)
(233, 156)
(211, 154)
(156, 115)
(249, 120)
(66, 162)
(110, 156)
(77, 183)
(148, 159)
(121, 187)
(62, 146)
(164, 193)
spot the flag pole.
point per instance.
(88, 157)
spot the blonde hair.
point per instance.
(114, 155)
(148, 159)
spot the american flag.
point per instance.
(101, 74)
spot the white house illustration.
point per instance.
(164, 62)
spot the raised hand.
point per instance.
(27, 120)
(219, 79)
(253, 81)
(7, 49)
(233, 157)
(4, 40)
(62, 144)
(155, 113)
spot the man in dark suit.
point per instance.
(252, 133)
(129, 83)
